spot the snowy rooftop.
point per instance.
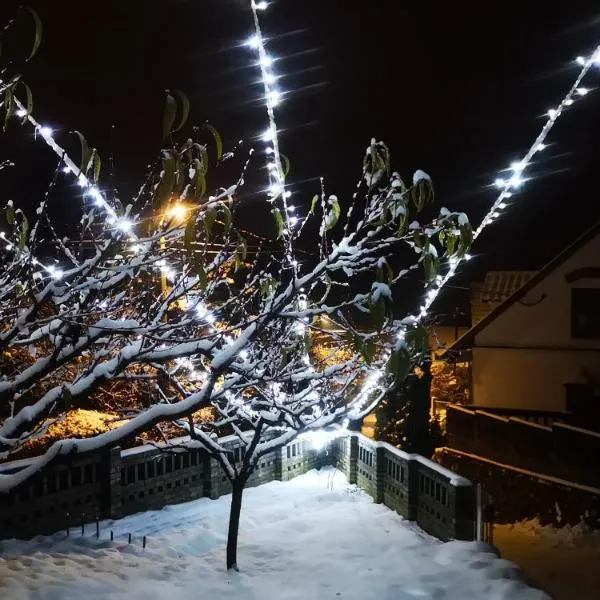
(313, 537)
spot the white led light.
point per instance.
(21, 112)
(124, 224)
(66, 169)
(500, 183)
(568, 102)
(274, 98)
(582, 91)
(580, 60)
(269, 150)
(268, 135)
(266, 61)
(552, 113)
(253, 41)
(518, 166)
(269, 78)
(46, 131)
(261, 5)
(82, 181)
(540, 147)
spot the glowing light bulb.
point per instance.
(266, 61)
(124, 224)
(499, 182)
(270, 78)
(582, 91)
(275, 189)
(287, 194)
(290, 208)
(515, 181)
(540, 147)
(269, 150)
(82, 181)
(502, 205)
(21, 112)
(253, 41)
(552, 113)
(274, 98)
(177, 212)
(580, 60)
(495, 214)
(46, 131)
(269, 136)
(518, 166)
(468, 257)
(261, 5)
(66, 169)
(569, 101)
(293, 220)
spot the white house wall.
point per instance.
(524, 356)
(533, 379)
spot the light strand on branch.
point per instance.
(508, 187)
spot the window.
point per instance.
(585, 313)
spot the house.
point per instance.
(539, 347)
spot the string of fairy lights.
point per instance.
(273, 95)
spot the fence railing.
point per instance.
(441, 502)
(116, 483)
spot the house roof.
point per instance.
(500, 285)
(466, 341)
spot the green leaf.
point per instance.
(38, 32)
(189, 235)
(169, 115)
(218, 140)
(185, 109)
(23, 233)
(286, 165)
(210, 216)
(399, 365)
(466, 239)
(377, 310)
(313, 204)
(10, 214)
(97, 166)
(431, 265)
(202, 277)
(8, 105)
(85, 152)
(203, 159)
(227, 217)
(278, 221)
(200, 184)
(28, 100)
(417, 338)
(328, 285)
(165, 187)
(335, 208)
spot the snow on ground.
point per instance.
(563, 561)
(315, 537)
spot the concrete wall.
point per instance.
(525, 355)
(559, 450)
(116, 483)
(417, 488)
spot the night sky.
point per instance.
(458, 89)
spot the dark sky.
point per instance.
(458, 89)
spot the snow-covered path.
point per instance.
(315, 537)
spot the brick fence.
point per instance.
(118, 482)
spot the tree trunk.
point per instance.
(234, 523)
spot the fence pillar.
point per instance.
(114, 482)
(353, 459)
(412, 474)
(379, 474)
